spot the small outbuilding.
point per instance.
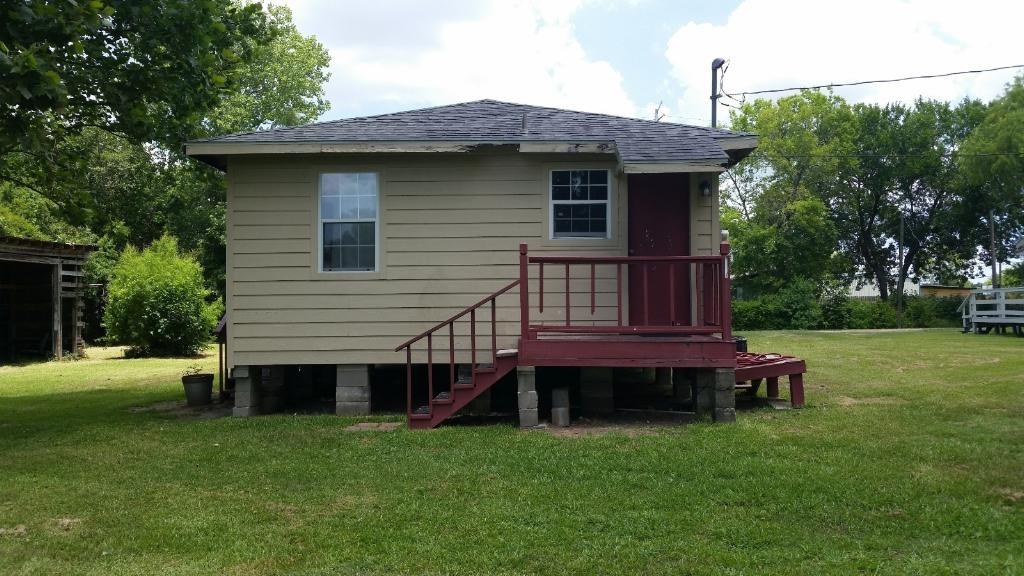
(41, 288)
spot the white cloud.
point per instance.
(781, 43)
(399, 53)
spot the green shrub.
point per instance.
(799, 304)
(947, 312)
(761, 313)
(866, 314)
(157, 302)
(835, 309)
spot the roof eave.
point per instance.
(216, 153)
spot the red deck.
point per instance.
(667, 325)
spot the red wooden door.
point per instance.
(659, 225)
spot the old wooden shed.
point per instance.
(41, 289)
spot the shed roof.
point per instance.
(490, 122)
(16, 245)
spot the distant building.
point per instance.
(870, 290)
(940, 291)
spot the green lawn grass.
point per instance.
(909, 459)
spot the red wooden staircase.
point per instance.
(465, 382)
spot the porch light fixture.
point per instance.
(705, 189)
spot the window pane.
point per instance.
(579, 178)
(580, 211)
(330, 184)
(580, 226)
(579, 192)
(366, 233)
(332, 258)
(560, 193)
(562, 226)
(598, 192)
(367, 206)
(598, 177)
(597, 210)
(366, 257)
(332, 234)
(347, 184)
(346, 234)
(329, 207)
(349, 257)
(367, 184)
(560, 178)
(348, 208)
(562, 211)
(598, 225)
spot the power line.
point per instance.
(863, 82)
(908, 155)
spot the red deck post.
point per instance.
(430, 370)
(796, 390)
(408, 381)
(472, 344)
(726, 293)
(568, 305)
(524, 293)
(618, 293)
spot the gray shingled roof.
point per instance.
(502, 122)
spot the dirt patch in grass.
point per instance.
(846, 401)
(18, 530)
(67, 524)
(371, 426)
(583, 428)
(592, 431)
(1011, 495)
(178, 409)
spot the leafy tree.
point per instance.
(868, 165)
(1013, 275)
(907, 166)
(134, 189)
(797, 245)
(149, 70)
(993, 163)
(158, 303)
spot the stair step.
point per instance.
(507, 353)
(416, 416)
(421, 411)
(443, 398)
(484, 368)
(464, 385)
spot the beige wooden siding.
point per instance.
(450, 228)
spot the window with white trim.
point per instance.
(580, 204)
(348, 222)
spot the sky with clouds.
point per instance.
(624, 57)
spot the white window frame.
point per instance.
(552, 202)
(321, 221)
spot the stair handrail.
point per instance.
(450, 324)
(440, 325)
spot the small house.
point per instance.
(463, 244)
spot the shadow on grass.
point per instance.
(32, 418)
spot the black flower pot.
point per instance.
(198, 389)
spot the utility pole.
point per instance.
(899, 275)
(715, 65)
(992, 246)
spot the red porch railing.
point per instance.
(473, 349)
(705, 278)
